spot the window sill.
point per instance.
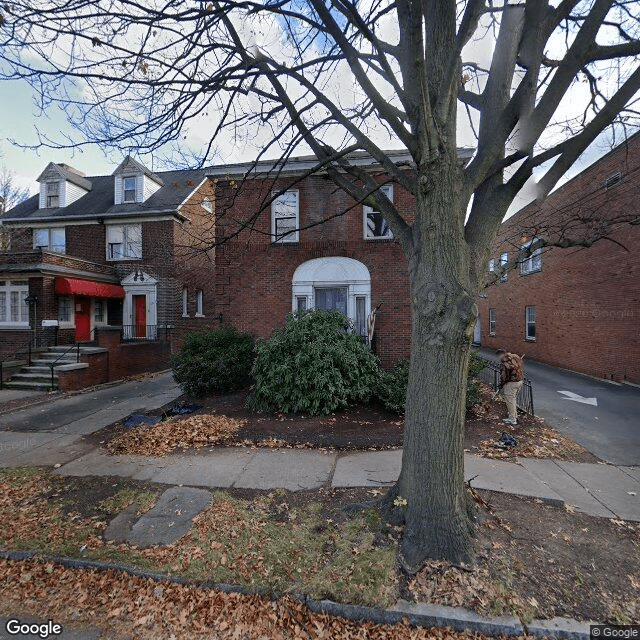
(186, 315)
(14, 327)
(199, 315)
(380, 238)
(124, 259)
(529, 339)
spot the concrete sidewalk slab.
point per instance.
(171, 518)
(70, 411)
(574, 493)
(292, 469)
(367, 469)
(507, 477)
(38, 449)
(634, 472)
(618, 491)
(218, 468)
(99, 463)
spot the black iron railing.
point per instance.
(134, 332)
(491, 375)
(26, 349)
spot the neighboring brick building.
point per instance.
(313, 247)
(90, 252)
(575, 308)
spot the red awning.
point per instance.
(73, 286)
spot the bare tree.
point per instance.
(10, 193)
(335, 75)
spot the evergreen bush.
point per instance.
(313, 365)
(214, 361)
(391, 390)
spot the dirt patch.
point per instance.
(355, 428)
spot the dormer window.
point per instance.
(129, 189)
(53, 195)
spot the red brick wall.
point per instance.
(130, 359)
(587, 300)
(254, 276)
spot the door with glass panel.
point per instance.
(332, 299)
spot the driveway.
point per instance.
(602, 416)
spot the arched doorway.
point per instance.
(334, 283)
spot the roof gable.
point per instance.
(129, 165)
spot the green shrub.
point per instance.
(313, 365)
(215, 361)
(391, 389)
(476, 365)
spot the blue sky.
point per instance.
(19, 119)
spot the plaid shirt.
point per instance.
(511, 368)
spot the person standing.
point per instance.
(511, 380)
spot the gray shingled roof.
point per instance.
(177, 186)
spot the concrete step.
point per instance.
(47, 363)
(33, 377)
(32, 386)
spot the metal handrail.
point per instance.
(75, 346)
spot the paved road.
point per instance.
(609, 429)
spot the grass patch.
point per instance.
(272, 542)
(123, 499)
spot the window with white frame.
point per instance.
(301, 303)
(530, 322)
(129, 189)
(504, 261)
(124, 242)
(52, 239)
(185, 302)
(199, 303)
(534, 262)
(492, 265)
(53, 195)
(206, 205)
(65, 310)
(375, 226)
(99, 310)
(492, 322)
(13, 307)
(285, 216)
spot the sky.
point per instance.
(20, 120)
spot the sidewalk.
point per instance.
(51, 434)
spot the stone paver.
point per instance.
(364, 470)
(572, 491)
(507, 477)
(616, 489)
(171, 518)
(269, 469)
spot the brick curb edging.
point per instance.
(419, 615)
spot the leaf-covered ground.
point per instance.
(225, 420)
(532, 560)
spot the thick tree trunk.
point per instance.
(437, 513)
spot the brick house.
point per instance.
(574, 308)
(312, 247)
(91, 253)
